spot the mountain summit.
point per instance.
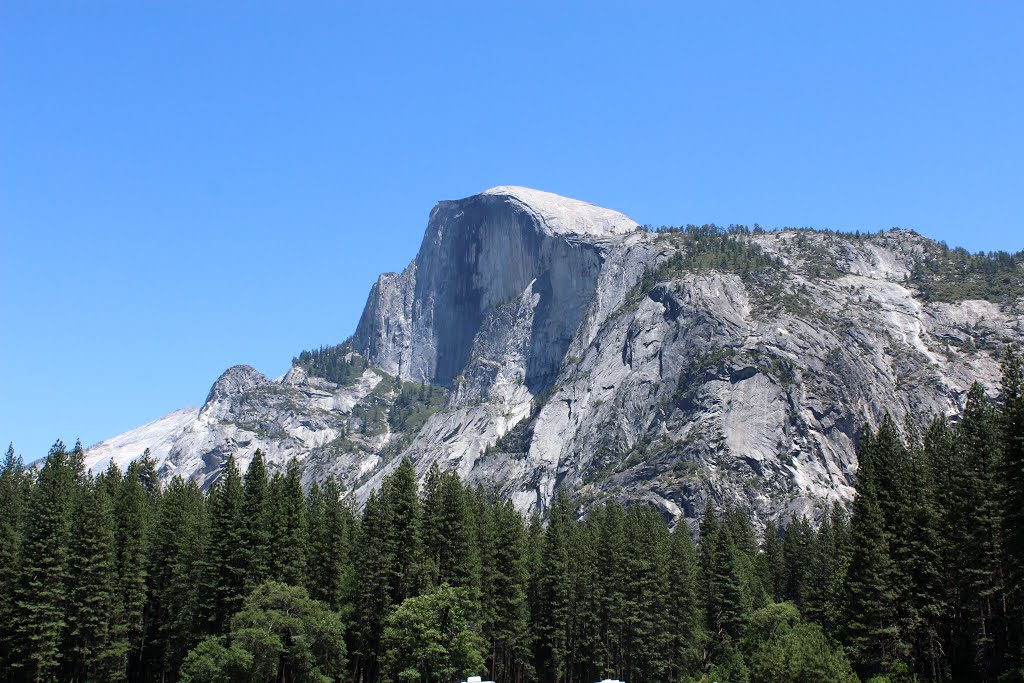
(560, 215)
(538, 342)
(479, 257)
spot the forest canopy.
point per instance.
(113, 577)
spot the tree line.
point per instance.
(115, 578)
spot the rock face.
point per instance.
(298, 416)
(559, 364)
(518, 262)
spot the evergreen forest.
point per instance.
(114, 577)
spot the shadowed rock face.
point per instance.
(479, 254)
(714, 385)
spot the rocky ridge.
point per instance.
(537, 343)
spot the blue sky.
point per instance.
(189, 185)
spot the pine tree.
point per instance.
(798, 552)
(91, 598)
(947, 473)
(584, 637)
(534, 595)
(755, 591)
(330, 562)
(612, 582)
(256, 522)
(922, 601)
(400, 492)
(686, 619)
(289, 533)
(40, 592)
(871, 633)
(174, 577)
(978, 442)
(1011, 423)
(316, 527)
(375, 559)
(648, 630)
(773, 562)
(145, 470)
(827, 574)
(725, 602)
(904, 486)
(110, 480)
(388, 560)
(130, 521)
(900, 482)
(76, 465)
(430, 499)
(448, 524)
(510, 634)
(225, 563)
(555, 583)
(13, 493)
(486, 549)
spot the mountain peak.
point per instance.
(679, 368)
(564, 215)
(234, 381)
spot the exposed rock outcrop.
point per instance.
(508, 251)
(560, 364)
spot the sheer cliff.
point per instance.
(537, 342)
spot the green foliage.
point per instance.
(214, 662)
(951, 275)
(773, 562)
(1011, 425)
(509, 634)
(399, 407)
(700, 249)
(413, 405)
(288, 526)
(782, 649)
(827, 574)
(91, 594)
(256, 522)
(338, 364)
(871, 631)
(177, 546)
(113, 580)
(400, 491)
(686, 623)
(450, 532)
(227, 565)
(647, 599)
(289, 635)
(131, 512)
(331, 527)
(429, 638)
(722, 568)
(14, 483)
(280, 634)
(798, 551)
(555, 599)
(40, 591)
(729, 664)
(377, 558)
(980, 491)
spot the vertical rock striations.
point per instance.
(538, 342)
(506, 252)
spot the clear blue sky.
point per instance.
(189, 185)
